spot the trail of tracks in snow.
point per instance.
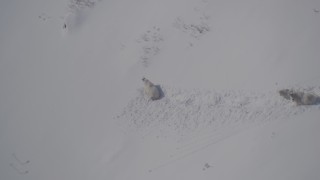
(196, 119)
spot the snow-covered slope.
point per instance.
(185, 125)
(184, 112)
(71, 104)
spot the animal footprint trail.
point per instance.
(18, 170)
(75, 15)
(150, 42)
(81, 4)
(197, 27)
(19, 161)
(195, 30)
(18, 165)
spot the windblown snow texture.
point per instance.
(183, 112)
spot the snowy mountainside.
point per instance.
(71, 104)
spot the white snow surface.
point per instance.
(72, 104)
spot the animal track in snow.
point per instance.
(206, 166)
(75, 15)
(197, 27)
(18, 165)
(150, 45)
(81, 4)
(44, 17)
(195, 30)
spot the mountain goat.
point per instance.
(152, 91)
(300, 98)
